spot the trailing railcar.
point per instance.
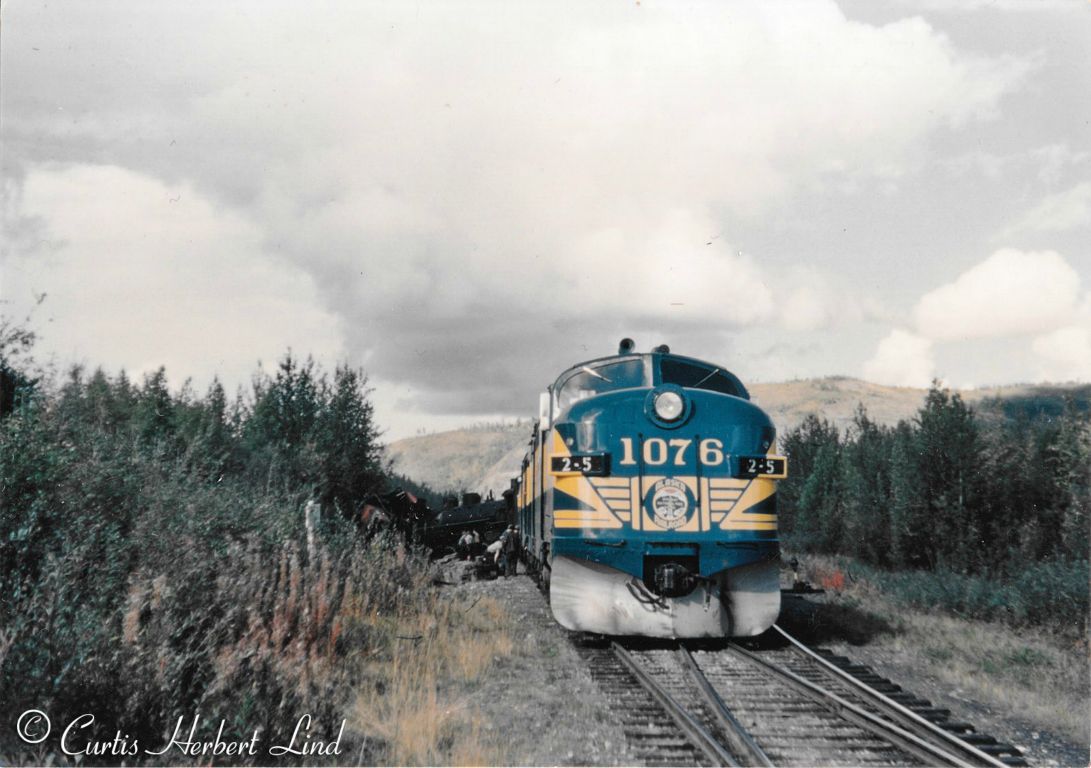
(647, 499)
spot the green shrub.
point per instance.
(152, 556)
(1052, 594)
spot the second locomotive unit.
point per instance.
(647, 499)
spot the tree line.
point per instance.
(948, 491)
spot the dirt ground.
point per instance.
(539, 706)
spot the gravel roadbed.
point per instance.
(540, 702)
(1039, 747)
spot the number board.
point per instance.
(580, 464)
(762, 466)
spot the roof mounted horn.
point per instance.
(626, 346)
(662, 349)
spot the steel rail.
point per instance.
(739, 738)
(696, 733)
(895, 711)
(926, 751)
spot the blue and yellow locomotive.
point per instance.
(647, 499)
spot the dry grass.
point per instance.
(416, 698)
(364, 637)
(1036, 676)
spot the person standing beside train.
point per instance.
(511, 550)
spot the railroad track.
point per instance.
(787, 706)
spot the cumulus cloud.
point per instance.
(1010, 292)
(143, 274)
(1065, 354)
(902, 359)
(466, 196)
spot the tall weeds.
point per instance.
(152, 567)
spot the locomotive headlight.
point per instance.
(669, 405)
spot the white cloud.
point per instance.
(1011, 292)
(973, 6)
(808, 301)
(1065, 354)
(902, 359)
(145, 274)
(1061, 212)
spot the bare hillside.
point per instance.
(474, 459)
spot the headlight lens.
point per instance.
(669, 405)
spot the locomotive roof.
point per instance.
(656, 358)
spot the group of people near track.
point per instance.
(504, 552)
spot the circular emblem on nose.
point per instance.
(670, 503)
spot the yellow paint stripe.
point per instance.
(725, 494)
(718, 516)
(753, 518)
(614, 493)
(721, 506)
(741, 526)
(706, 505)
(728, 482)
(587, 524)
(610, 482)
(570, 513)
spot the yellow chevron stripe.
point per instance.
(614, 493)
(747, 526)
(610, 482)
(728, 482)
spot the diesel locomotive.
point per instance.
(647, 499)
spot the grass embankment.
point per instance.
(984, 642)
(413, 700)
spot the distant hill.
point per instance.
(487, 457)
(473, 459)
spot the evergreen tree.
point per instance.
(867, 456)
(155, 410)
(948, 465)
(1073, 482)
(821, 507)
(908, 513)
(801, 445)
(347, 441)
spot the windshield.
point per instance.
(694, 376)
(590, 380)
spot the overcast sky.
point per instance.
(465, 198)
